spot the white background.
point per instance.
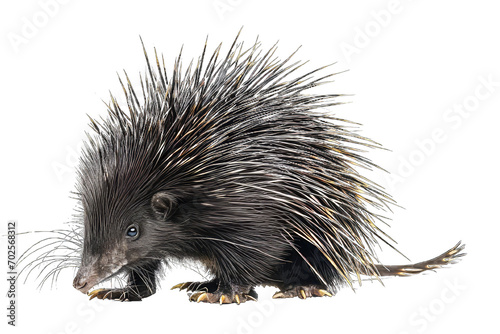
(412, 65)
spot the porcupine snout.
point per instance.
(85, 279)
(79, 282)
(96, 268)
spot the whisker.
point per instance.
(47, 257)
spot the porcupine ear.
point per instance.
(163, 204)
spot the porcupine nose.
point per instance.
(79, 282)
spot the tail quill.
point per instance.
(451, 256)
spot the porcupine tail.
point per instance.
(451, 256)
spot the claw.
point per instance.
(202, 297)
(94, 293)
(222, 299)
(279, 294)
(323, 292)
(194, 296)
(181, 286)
(177, 286)
(237, 298)
(251, 298)
(302, 294)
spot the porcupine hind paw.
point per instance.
(214, 292)
(123, 294)
(303, 292)
(235, 295)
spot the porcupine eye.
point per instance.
(132, 232)
(163, 204)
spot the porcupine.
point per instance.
(232, 164)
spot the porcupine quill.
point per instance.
(232, 164)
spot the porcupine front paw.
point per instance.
(123, 294)
(303, 292)
(214, 292)
(141, 284)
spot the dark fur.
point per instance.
(232, 164)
